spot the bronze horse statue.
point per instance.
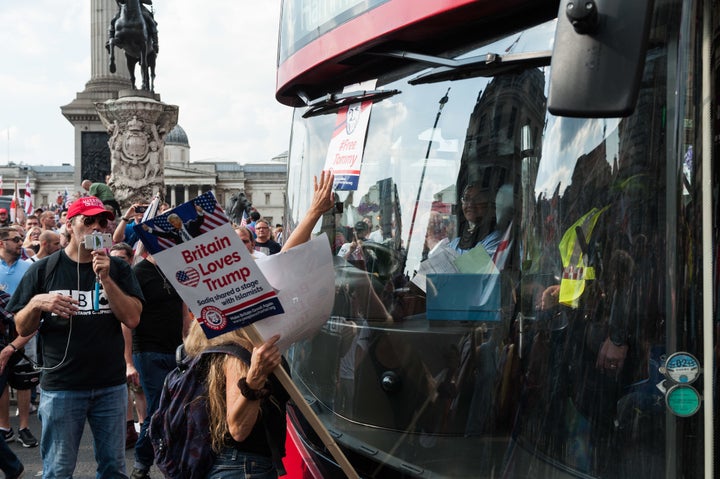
(236, 206)
(134, 30)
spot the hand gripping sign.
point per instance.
(207, 263)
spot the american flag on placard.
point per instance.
(189, 277)
(214, 217)
(244, 220)
(164, 243)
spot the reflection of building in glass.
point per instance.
(380, 208)
(493, 149)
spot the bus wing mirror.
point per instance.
(598, 57)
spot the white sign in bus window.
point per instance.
(345, 152)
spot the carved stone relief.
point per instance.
(137, 128)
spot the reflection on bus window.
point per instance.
(503, 279)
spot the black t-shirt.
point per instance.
(269, 247)
(85, 351)
(161, 322)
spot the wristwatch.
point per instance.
(125, 219)
(252, 394)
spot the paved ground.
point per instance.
(85, 469)
(30, 457)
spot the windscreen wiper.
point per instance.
(332, 102)
(486, 65)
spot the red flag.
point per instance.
(14, 205)
(28, 197)
(503, 250)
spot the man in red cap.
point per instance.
(4, 218)
(82, 343)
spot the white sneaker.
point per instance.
(33, 409)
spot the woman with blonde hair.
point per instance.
(32, 239)
(237, 391)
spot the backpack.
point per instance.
(23, 376)
(180, 427)
(27, 374)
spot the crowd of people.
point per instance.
(101, 326)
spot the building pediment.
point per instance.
(177, 173)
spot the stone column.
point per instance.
(92, 158)
(102, 11)
(137, 124)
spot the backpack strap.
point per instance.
(232, 349)
(52, 263)
(49, 268)
(46, 268)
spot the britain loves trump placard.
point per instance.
(198, 251)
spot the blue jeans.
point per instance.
(63, 415)
(9, 462)
(234, 464)
(152, 367)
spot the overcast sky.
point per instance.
(216, 62)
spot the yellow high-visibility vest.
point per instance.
(576, 270)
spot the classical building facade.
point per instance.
(264, 184)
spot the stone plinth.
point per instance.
(137, 124)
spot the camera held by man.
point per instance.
(98, 241)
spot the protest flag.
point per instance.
(28, 197)
(150, 213)
(14, 205)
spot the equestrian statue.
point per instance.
(236, 206)
(134, 30)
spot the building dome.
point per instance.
(177, 136)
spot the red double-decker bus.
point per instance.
(525, 235)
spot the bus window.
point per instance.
(509, 283)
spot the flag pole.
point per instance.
(312, 418)
(14, 205)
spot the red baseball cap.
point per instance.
(3, 210)
(88, 206)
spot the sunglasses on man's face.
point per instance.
(90, 220)
(16, 239)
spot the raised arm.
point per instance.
(122, 222)
(323, 200)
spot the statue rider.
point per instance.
(149, 21)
